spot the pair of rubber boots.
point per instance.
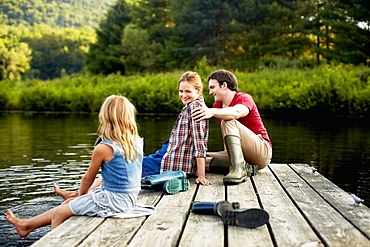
(232, 214)
(171, 182)
(239, 170)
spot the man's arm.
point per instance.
(227, 113)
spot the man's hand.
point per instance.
(200, 113)
(227, 113)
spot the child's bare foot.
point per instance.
(22, 229)
(63, 193)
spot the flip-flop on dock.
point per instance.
(305, 209)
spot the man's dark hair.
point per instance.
(222, 76)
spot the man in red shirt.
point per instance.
(245, 137)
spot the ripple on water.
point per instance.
(28, 209)
(9, 199)
(80, 146)
(69, 154)
(28, 191)
(40, 160)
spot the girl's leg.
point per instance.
(60, 214)
(25, 226)
(54, 217)
(97, 183)
(64, 193)
(70, 194)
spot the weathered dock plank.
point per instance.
(246, 195)
(305, 209)
(165, 226)
(71, 233)
(338, 199)
(206, 229)
(332, 228)
(288, 226)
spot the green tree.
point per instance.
(358, 11)
(140, 51)
(202, 29)
(56, 13)
(154, 17)
(12, 11)
(265, 30)
(336, 30)
(14, 55)
(104, 56)
(57, 52)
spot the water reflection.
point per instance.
(37, 150)
(339, 148)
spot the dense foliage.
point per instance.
(324, 90)
(42, 52)
(237, 34)
(54, 13)
(105, 55)
(48, 39)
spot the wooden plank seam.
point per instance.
(316, 231)
(269, 228)
(187, 215)
(328, 201)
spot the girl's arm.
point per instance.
(201, 168)
(199, 133)
(100, 154)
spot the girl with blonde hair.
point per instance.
(119, 156)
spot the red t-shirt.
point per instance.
(253, 120)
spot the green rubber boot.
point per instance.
(176, 185)
(213, 208)
(237, 172)
(220, 166)
(160, 179)
(248, 218)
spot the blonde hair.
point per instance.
(193, 78)
(117, 119)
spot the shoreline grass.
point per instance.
(324, 90)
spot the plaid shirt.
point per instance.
(188, 140)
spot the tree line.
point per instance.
(151, 36)
(54, 13)
(321, 91)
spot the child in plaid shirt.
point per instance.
(187, 146)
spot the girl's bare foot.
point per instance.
(63, 193)
(21, 225)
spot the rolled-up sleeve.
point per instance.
(199, 132)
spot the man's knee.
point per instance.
(261, 166)
(228, 123)
(229, 127)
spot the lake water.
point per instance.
(37, 150)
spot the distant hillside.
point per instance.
(54, 13)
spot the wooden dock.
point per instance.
(305, 209)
